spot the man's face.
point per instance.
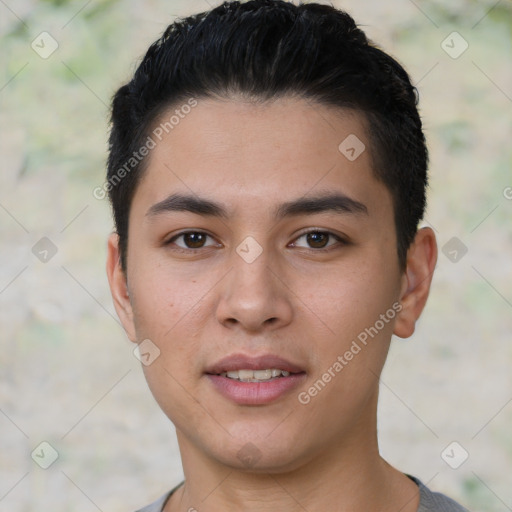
(254, 283)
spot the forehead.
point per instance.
(248, 155)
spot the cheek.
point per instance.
(351, 305)
(352, 353)
(347, 300)
(161, 299)
(169, 310)
(166, 312)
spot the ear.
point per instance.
(119, 287)
(416, 281)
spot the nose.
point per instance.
(254, 296)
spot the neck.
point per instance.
(347, 475)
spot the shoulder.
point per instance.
(158, 505)
(434, 501)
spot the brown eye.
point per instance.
(190, 240)
(317, 239)
(194, 240)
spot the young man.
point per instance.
(267, 173)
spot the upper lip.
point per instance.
(242, 362)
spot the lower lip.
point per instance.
(255, 393)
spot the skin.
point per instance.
(295, 300)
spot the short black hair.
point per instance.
(263, 50)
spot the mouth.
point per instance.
(254, 380)
(256, 364)
(257, 375)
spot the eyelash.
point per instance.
(340, 240)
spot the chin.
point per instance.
(258, 455)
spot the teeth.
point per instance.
(263, 374)
(245, 374)
(255, 375)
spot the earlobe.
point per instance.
(119, 287)
(416, 281)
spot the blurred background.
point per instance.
(68, 376)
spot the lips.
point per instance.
(252, 392)
(242, 362)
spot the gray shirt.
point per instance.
(429, 501)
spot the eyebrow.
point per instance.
(328, 202)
